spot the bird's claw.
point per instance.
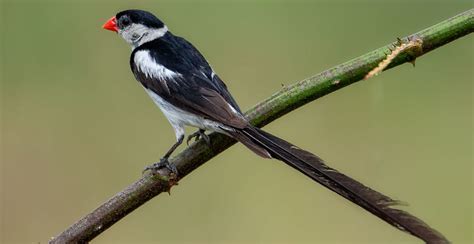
(197, 135)
(164, 163)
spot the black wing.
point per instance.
(197, 89)
(211, 78)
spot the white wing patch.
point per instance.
(152, 69)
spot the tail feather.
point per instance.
(265, 144)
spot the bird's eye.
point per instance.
(124, 21)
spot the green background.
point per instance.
(77, 127)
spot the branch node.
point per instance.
(165, 177)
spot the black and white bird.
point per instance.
(187, 90)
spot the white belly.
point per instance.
(180, 118)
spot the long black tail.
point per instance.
(309, 164)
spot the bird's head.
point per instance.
(136, 26)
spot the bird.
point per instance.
(189, 92)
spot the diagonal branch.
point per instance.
(279, 104)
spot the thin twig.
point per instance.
(280, 103)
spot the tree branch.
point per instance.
(279, 104)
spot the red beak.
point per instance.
(111, 24)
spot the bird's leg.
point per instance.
(199, 134)
(164, 162)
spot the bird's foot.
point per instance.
(197, 135)
(164, 163)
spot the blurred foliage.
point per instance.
(77, 128)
